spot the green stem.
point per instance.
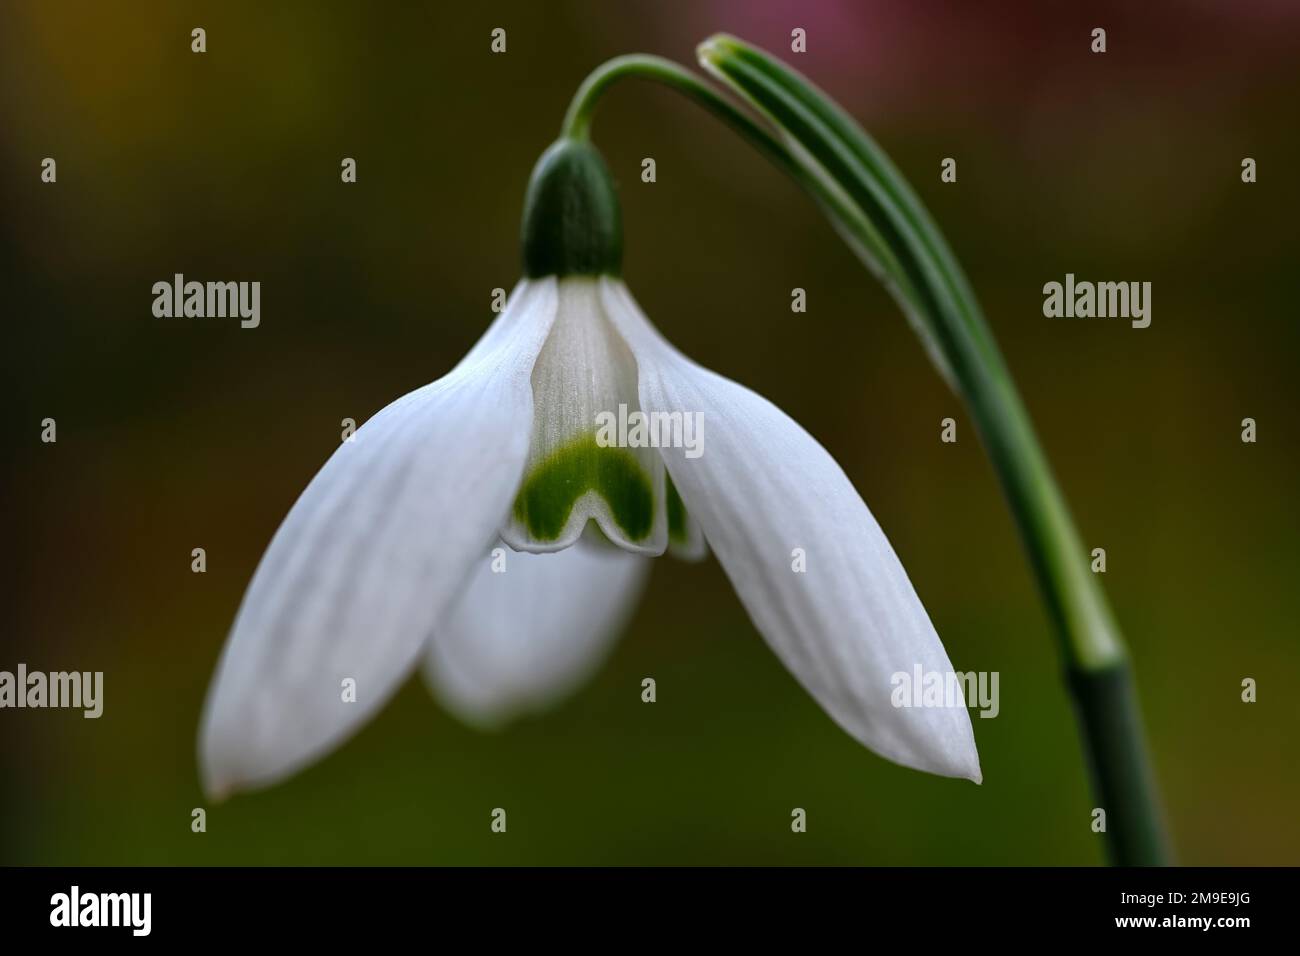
(577, 121)
(851, 221)
(869, 202)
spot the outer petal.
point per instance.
(370, 556)
(763, 487)
(525, 636)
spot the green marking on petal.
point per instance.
(677, 532)
(552, 488)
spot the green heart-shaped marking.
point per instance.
(548, 495)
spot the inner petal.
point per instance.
(574, 475)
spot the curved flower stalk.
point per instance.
(488, 525)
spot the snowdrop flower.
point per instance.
(478, 525)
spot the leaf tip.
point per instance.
(715, 48)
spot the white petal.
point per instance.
(524, 637)
(763, 487)
(370, 556)
(584, 373)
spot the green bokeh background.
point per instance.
(187, 433)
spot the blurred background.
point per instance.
(194, 433)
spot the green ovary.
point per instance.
(553, 487)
